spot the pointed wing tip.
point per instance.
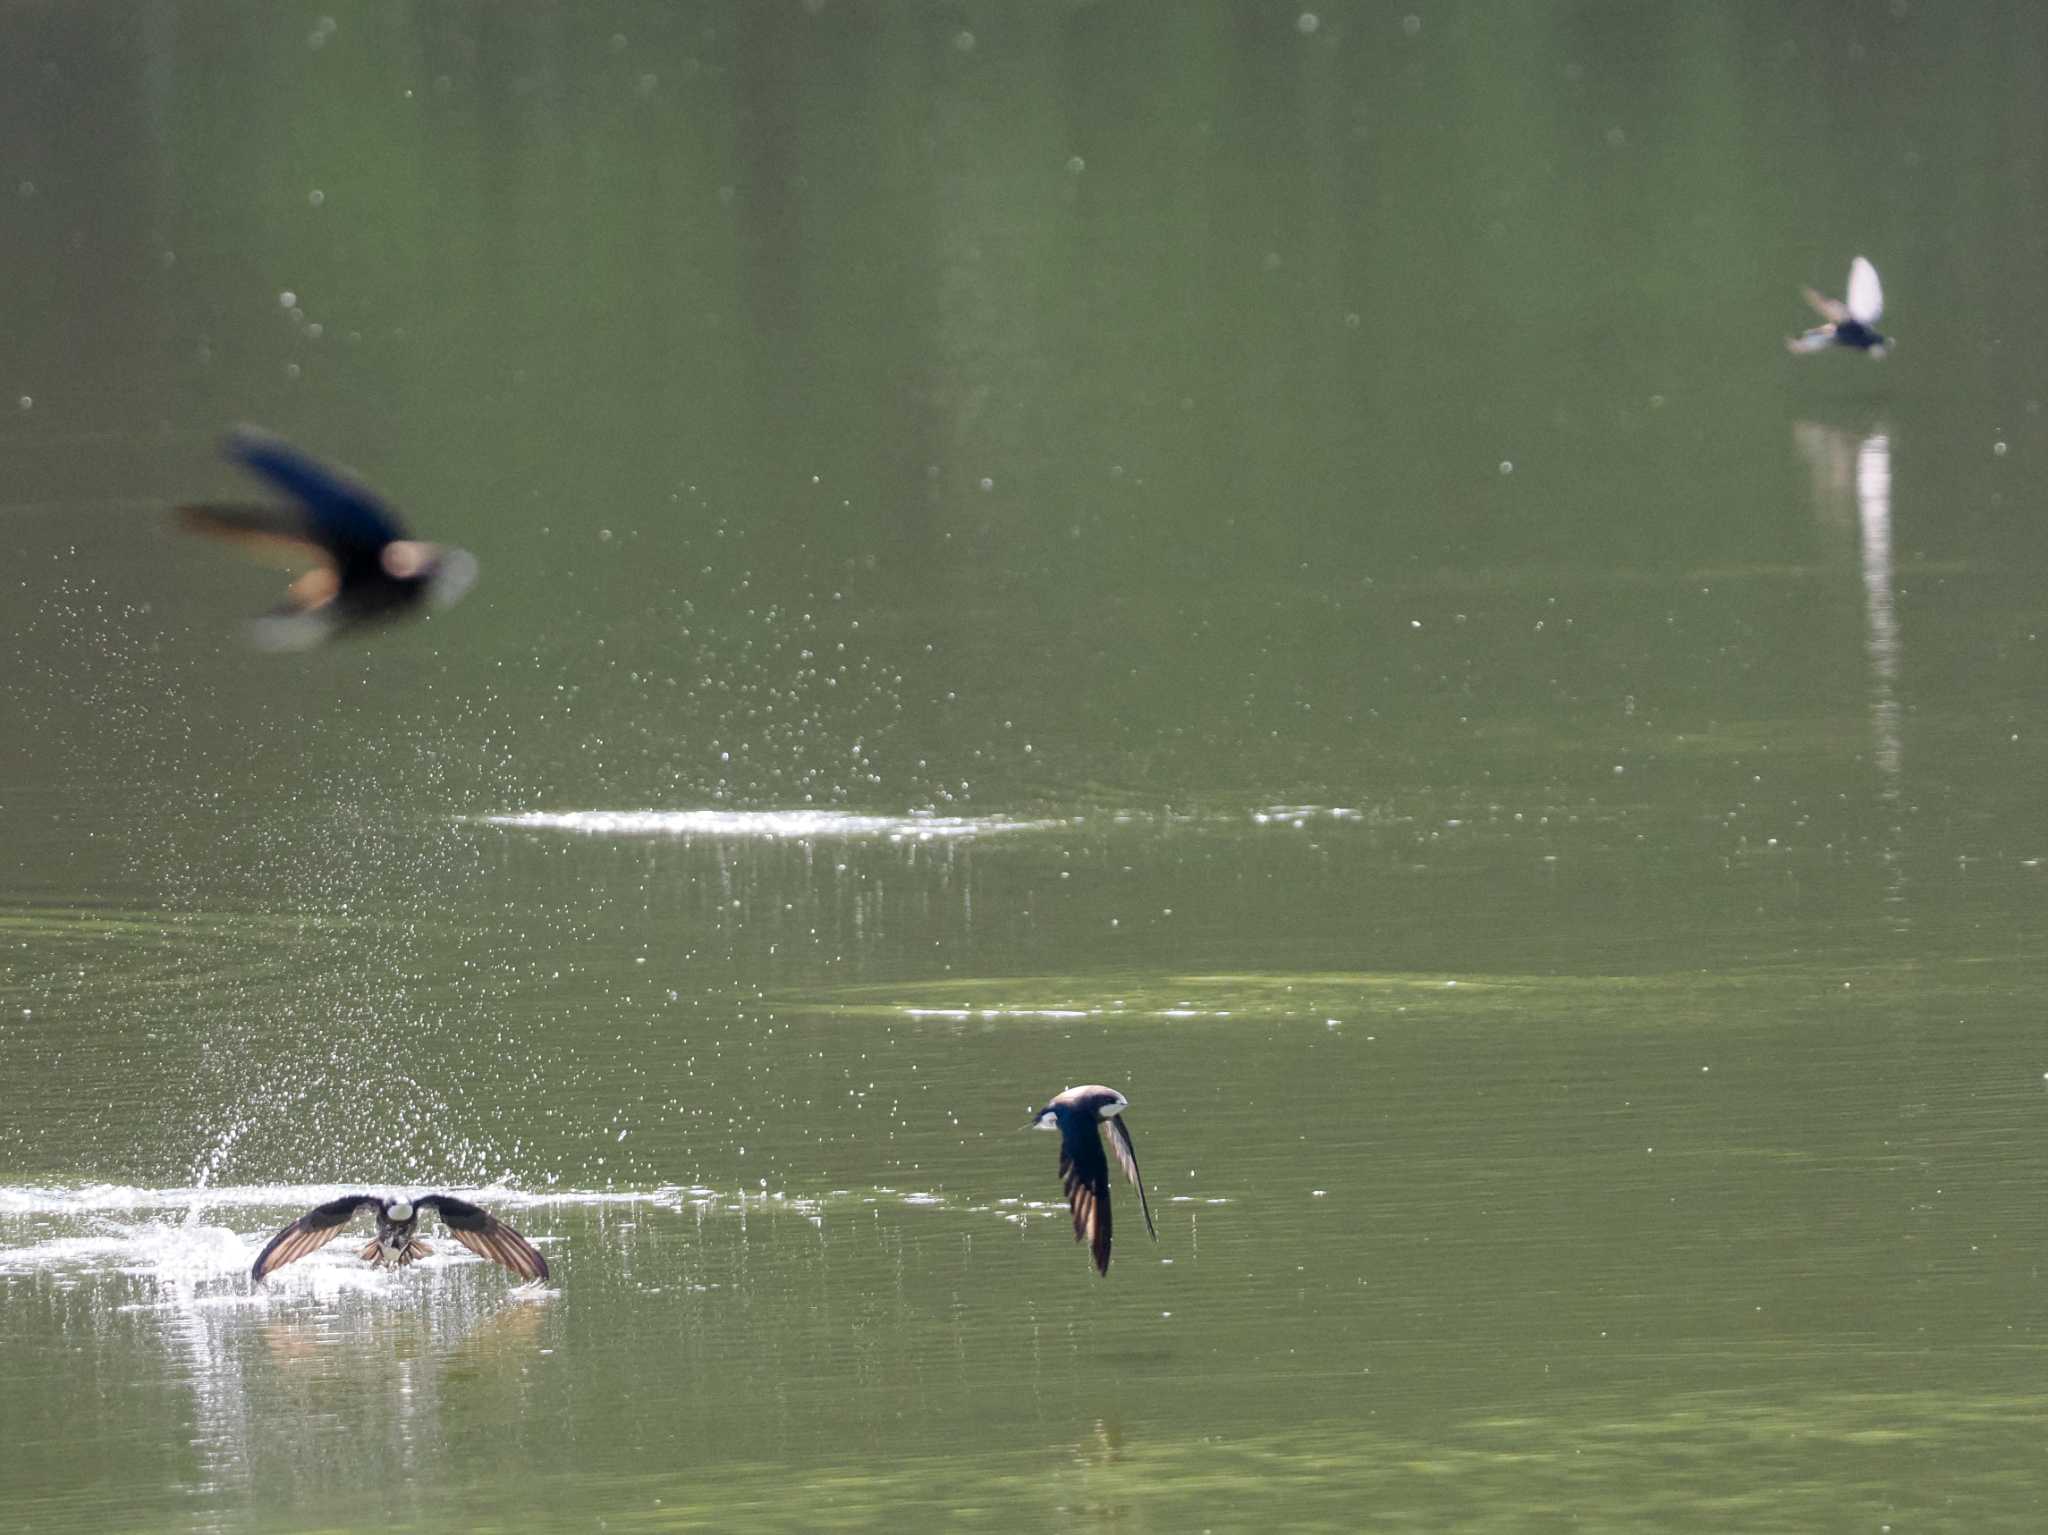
(516, 1254)
(490, 1238)
(245, 437)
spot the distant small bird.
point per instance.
(1852, 323)
(364, 568)
(397, 1242)
(1086, 1118)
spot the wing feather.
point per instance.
(487, 1236)
(343, 516)
(310, 1232)
(1119, 1137)
(1085, 1172)
(1088, 1199)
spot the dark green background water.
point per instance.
(1272, 560)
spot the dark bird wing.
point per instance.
(485, 1235)
(348, 520)
(1085, 1171)
(1119, 1140)
(310, 1232)
(1827, 308)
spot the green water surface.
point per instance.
(1271, 558)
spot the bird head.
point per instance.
(398, 1210)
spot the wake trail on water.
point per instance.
(192, 1235)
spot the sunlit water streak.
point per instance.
(825, 825)
(775, 825)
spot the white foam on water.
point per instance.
(769, 825)
(198, 1240)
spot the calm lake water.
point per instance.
(1270, 558)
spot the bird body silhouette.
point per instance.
(1850, 322)
(1089, 1119)
(397, 1240)
(364, 568)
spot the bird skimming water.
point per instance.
(1087, 1118)
(397, 1240)
(1851, 322)
(364, 567)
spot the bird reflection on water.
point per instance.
(1852, 473)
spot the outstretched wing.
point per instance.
(310, 1232)
(1827, 308)
(1119, 1139)
(1085, 1171)
(347, 519)
(1818, 339)
(1866, 293)
(485, 1235)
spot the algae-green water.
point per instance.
(1268, 556)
